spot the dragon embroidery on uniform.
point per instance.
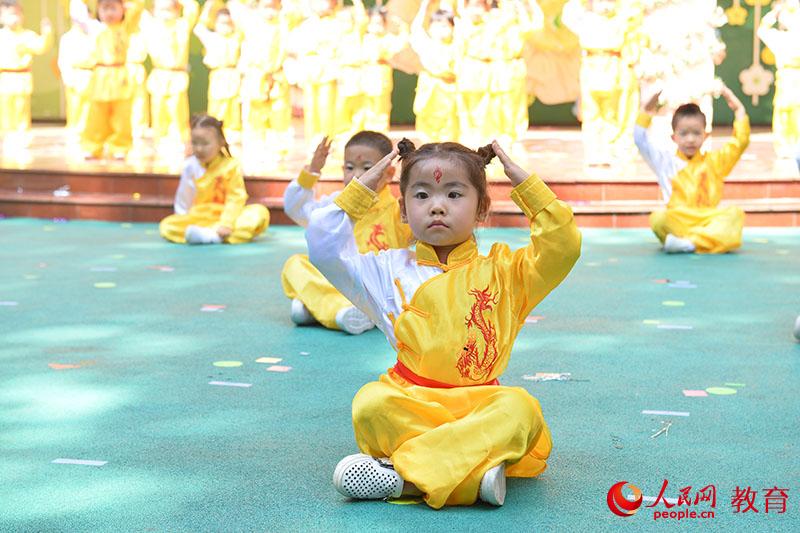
(471, 364)
(219, 191)
(373, 242)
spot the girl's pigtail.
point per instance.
(486, 154)
(405, 148)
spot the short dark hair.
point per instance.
(371, 139)
(687, 110)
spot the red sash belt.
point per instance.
(406, 373)
(110, 65)
(15, 70)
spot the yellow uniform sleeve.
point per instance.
(38, 44)
(235, 197)
(724, 159)
(356, 199)
(307, 180)
(555, 245)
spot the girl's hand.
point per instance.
(224, 232)
(320, 156)
(652, 105)
(372, 178)
(514, 172)
(733, 102)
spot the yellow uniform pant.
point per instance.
(444, 440)
(170, 116)
(251, 223)
(107, 123)
(319, 110)
(77, 107)
(377, 112)
(786, 112)
(302, 280)
(269, 115)
(140, 105)
(712, 230)
(229, 111)
(600, 113)
(476, 124)
(435, 110)
(15, 113)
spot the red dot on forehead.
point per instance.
(437, 174)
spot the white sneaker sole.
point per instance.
(363, 477)
(493, 485)
(353, 321)
(300, 314)
(797, 328)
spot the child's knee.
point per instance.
(370, 402)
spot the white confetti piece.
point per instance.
(8, 304)
(666, 413)
(230, 384)
(548, 376)
(674, 326)
(84, 462)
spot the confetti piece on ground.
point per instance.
(666, 413)
(682, 286)
(62, 366)
(150, 232)
(761, 241)
(650, 321)
(103, 269)
(613, 260)
(304, 353)
(548, 376)
(48, 228)
(782, 252)
(105, 285)
(227, 364)
(118, 256)
(734, 384)
(693, 393)
(279, 368)
(230, 384)
(673, 303)
(270, 360)
(592, 264)
(211, 308)
(721, 391)
(84, 462)
(7, 304)
(661, 281)
(126, 225)
(674, 326)
(406, 501)
(31, 276)
(42, 265)
(533, 319)
(161, 268)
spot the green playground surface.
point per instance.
(119, 372)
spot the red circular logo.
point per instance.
(619, 504)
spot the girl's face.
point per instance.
(223, 24)
(440, 203)
(206, 144)
(477, 8)
(11, 17)
(441, 30)
(323, 8)
(110, 11)
(166, 9)
(359, 159)
(269, 9)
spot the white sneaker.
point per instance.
(353, 321)
(366, 478)
(201, 235)
(677, 245)
(493, 485)
(300, 314)
(797, 328)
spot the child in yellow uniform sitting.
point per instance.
(438, 423)
(435, 101)
(75, 66)
(167, 32)
(108, 123)
(17, 48)
(784, 41)
(222, 47)
(314, 299)
(210, 201)
(691, 180)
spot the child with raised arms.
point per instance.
(439, 423)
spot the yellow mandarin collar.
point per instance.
(217, 161)
(699, 156)
(461, 255)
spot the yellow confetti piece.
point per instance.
(269, 360)
(761, 241)
(118, 256)
(782, 252)
(126, 225)
(721, 391)
(673, 303)
(48, 228)
(651, 322)
(405, 501)
(105, 285)
(227, 364)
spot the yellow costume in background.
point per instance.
(17, 48)
(786, 104)
(111, 91)
(439, 413)
(693, 189)
(379, 229)
(75, 64)
(140, 104)
(212, 196)
(377, 79)
(168, 83)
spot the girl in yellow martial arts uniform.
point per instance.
(75, 65)
(108, 123)
(435, 102)
(210, 201)
(439, 423)
(167, 31)
(17, 48)
(314, 299)
(784, 41)
(222, 47)
(691, 180)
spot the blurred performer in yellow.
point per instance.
(222, 48)
(75, 65)
(17, 48)
(167, 31)
(784, 41)
(314, 299)
(108, 123)
(210, 203)
(351, 58)
(140, 105)
(691, 180)
(608, 83)
(435, 102)
(490, 69)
